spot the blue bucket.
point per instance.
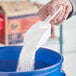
(47, 62)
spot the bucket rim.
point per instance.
(41, 69)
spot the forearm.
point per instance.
(74, 7)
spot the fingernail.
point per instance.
(52, 22)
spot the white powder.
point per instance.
(34, 38)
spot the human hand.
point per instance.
(51, 8)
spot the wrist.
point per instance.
(72, 11)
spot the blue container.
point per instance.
(47, 62)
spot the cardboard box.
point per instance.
(17, 17)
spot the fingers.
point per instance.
(42, 15)
(58, 23)
(43, 12)
(60, 16)
(52, 8)
(67, 12)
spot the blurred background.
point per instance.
(18, 16)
